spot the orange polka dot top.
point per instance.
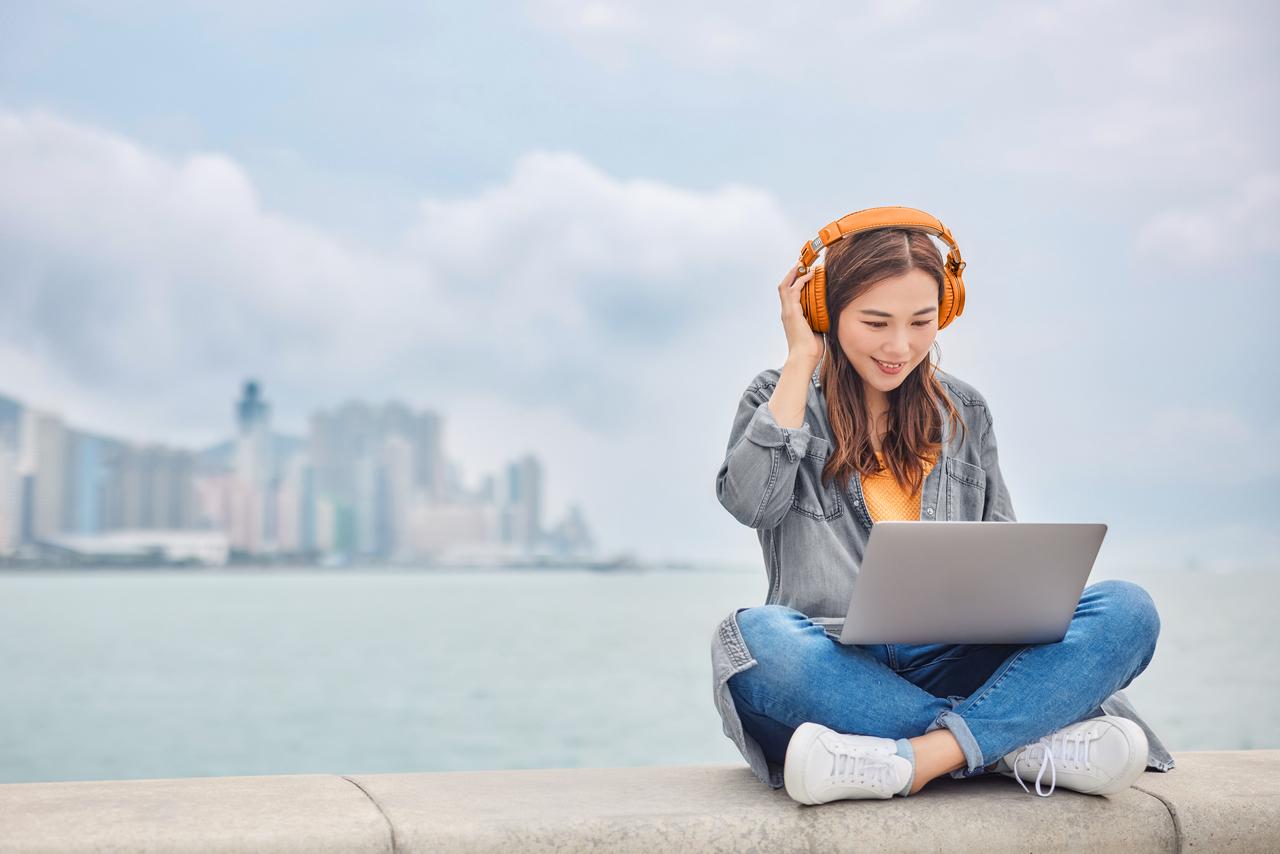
(886, 499)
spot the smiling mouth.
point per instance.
(889, 364)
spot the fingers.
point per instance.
(797, 284)
(792, 281)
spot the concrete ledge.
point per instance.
(287, 813)
(1230, 800)
(1212, 801)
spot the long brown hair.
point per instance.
(914, 431)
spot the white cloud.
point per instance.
(129, 267)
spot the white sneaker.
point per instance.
(823, 765)
(1098, 756)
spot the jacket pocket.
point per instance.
(966, 485)
(811, 498)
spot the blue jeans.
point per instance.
(992, 697)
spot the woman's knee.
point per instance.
(765, 627)
(1134, 604)
(777, 638)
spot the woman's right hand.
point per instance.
(802, 342)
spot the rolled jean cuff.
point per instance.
(968, 744)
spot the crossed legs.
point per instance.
(987, 699)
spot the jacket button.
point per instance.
(929, 511)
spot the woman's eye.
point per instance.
(877, 324)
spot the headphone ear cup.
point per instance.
(952, 305)
(813, 300)
(946, 308)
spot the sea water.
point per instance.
(133, 674)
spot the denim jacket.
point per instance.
(813, 535)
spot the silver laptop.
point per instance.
(970, 582)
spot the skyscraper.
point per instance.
(522, 514)
(254, 473)
(44, 459)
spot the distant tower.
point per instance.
(254, 466)
(252, 410)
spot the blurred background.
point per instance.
(365, 368)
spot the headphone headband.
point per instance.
(894, 216)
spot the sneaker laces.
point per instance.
(1070, 748)
(860, 766)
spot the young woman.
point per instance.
(860, 425)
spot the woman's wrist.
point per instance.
(805, 365)
(792, 392)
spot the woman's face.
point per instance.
(895, 321)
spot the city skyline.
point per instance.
(368, 481)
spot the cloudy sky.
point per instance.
(562, 224)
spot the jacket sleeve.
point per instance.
(997, 506)
(757, 479)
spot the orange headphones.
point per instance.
(813, 295)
